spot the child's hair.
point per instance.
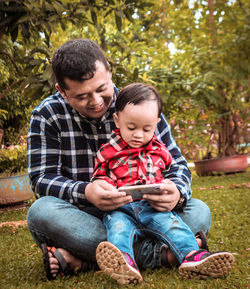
(136, 93)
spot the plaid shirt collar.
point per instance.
(119, 144)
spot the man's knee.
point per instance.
(197, 216)
(43, 211)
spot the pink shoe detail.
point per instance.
(196, 258)
(129, 260)
(203, 264)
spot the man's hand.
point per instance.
(105, 196)
(166, 201)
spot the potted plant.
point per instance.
(14, 181)
(227, 146)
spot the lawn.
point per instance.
(227, 196)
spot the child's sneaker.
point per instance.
(203, 264)
(117, 264)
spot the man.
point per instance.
(66, 130)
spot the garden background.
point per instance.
(195, 52)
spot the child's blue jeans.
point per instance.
(63, 225)
(125, 224)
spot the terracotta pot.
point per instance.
(14, 189)
(231, 164)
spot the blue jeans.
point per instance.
(126, 223)
(63, 225)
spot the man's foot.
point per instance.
(58, 261)
(117, 264)
(73, 262)
(203, 264)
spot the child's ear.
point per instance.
(159, 119)
(116, 119)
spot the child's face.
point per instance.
(137, 123)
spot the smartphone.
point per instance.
(138, 190)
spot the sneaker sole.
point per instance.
(110, 259)
(216, 266)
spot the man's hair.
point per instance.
(76, 60)
(136, 93)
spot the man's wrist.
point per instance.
(181, 203)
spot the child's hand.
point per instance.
(105, 196)
(166, 201)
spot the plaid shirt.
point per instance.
(62, 147)
(120, 165)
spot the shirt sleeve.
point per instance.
(178, 172)
(44, 162)
(101, 166)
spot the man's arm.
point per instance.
(45, 170)
(45, 163)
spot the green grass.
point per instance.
(21, 260)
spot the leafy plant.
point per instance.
(13, 159)
(30, 31)
(3, 116)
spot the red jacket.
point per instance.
(121, 165)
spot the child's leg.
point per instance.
(170, 228)
(121, 229)
(116, 257)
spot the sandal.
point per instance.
(202, 235)
(64, 267)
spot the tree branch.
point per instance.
(11, 59)
(10, 87)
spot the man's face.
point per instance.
(92, 97)
(137, 123)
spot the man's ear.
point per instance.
(159, 119)
(60, 90)
(116, 119)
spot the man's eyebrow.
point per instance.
(101, 85)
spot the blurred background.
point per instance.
(195, 52)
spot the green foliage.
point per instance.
(205, 77)
(216, 64)
(3, 116)
(13, 159)
(30, 33)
